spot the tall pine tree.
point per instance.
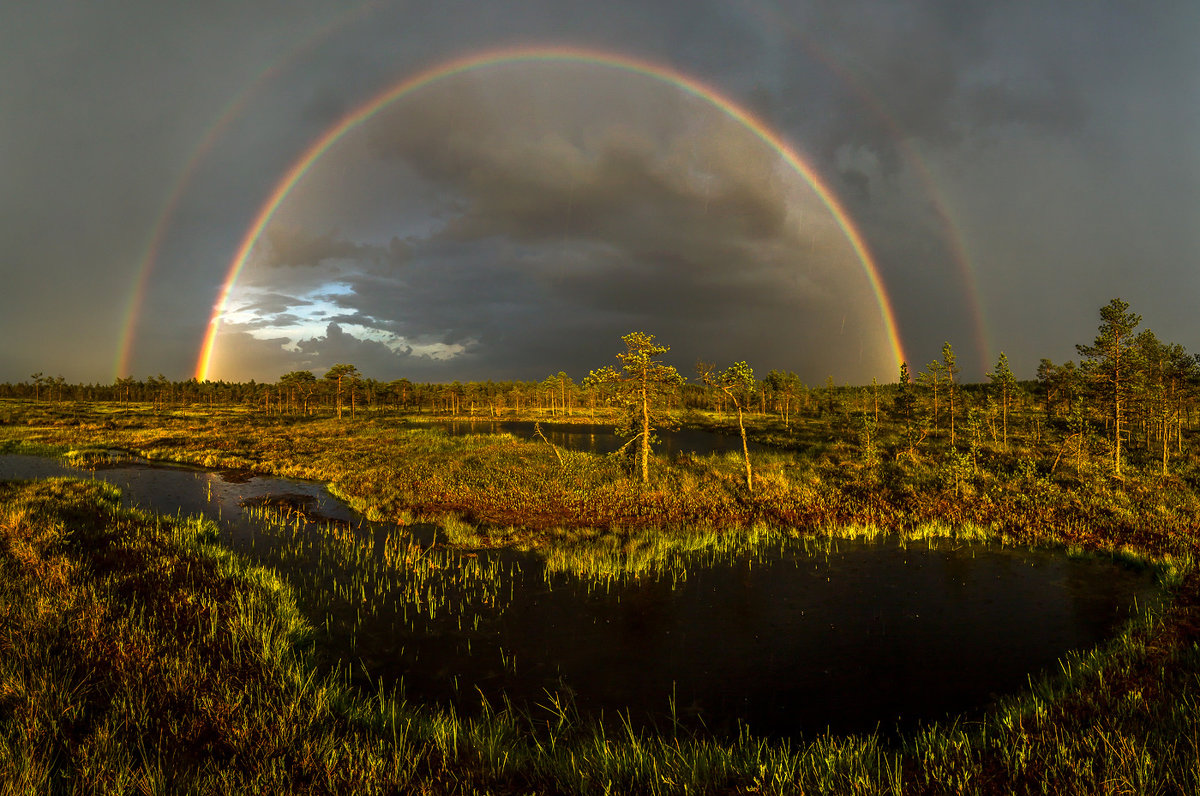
(1111, 364)
(642, 382)
(1004, 383)
(951, 370)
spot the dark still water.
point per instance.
(783, 637)
(787, 640)
(601, 438)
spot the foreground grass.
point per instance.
(138, 656)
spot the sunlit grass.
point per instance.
(136, 655)
(495, 489)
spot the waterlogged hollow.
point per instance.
(783, 636)
(601, 437)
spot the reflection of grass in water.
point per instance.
(654, 552)
(138, 656)
(1122, 719)
(395, 576)
(88, 458)
(604, 557)
(367, 573)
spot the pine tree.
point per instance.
(905, 400)
(737, 382)
(642, 382)
(342, 375)
(1111, 365)
(951, 370)
(1004, 385)
(784, 385)
(931, 377)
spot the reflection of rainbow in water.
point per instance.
(574, 55)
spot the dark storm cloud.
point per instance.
(1053, 109)
(516, 317)
(597, 147)
(953, 89)
(1056, 139)
(941, 73)
(678, 202)
(564, 232)
(451, 295)
(297, 247)
(625, 190)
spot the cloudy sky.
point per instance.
(1010, 168)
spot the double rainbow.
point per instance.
(596, 58)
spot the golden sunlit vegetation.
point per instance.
(137, 654)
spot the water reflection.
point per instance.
(787, 637)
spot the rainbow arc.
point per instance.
(600, 59)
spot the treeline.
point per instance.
(301, 392)
(1129, 390)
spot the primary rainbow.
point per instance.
(532, 55)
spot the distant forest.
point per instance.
(1128, 386)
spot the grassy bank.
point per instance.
(137, 656)
(499, 490)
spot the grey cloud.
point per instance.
(538, 219)
(1056, 110)
(558, 228)
(542, 162)
(268, 321)
(941, 74)
(337, 346)
(275, 303)
(290, 246)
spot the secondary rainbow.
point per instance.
(954, 239)
(233, 109)
(532, 55)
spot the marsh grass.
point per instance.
(142, 657)
(137, 655)
(493, 490)
(203, 706)
(368, 571)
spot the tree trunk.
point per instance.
(645, 433)
(745, 449)
(950, 398)
(1004, 415)
(1117, 436)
